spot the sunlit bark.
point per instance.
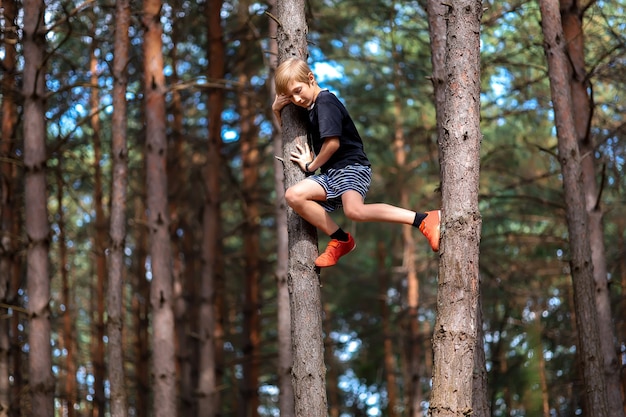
(455, 333)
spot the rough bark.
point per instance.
(582, 108)
(209, 331)
(163, 361)
(308, 372)
(581, 267)
(117, 229)
(455, 332)
(37, 229)
(285, 357)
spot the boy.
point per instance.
(345, 170)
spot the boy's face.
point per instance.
(302, 94)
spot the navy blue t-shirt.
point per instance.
(329, 118)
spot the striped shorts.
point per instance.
(337, 181)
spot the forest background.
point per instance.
(375, 55)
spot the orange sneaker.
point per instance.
(430, 228)
(335, 250)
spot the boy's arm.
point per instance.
(329, 147)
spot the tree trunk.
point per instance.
(285, 357)
(308, 372)
(141, 313)
(178, 169)
(480, 386)
(389, 356)
(9, 217)
(117, 230)
(163, 362)
(595, 400)
(621, 309)
(414, 389)
(437, 27)
(251, 239)
(99, 238)
(210, 332)
(455, 332)
(35, 198)
(582, 107)
(332, 366)
(66, 341)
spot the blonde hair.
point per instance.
(292, 69)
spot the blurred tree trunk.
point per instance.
(455, 333)
(210, 331)
(41, 381)
(414, 387)
(9, 215)
(595, 399)
(389, 362)
(621, 306)
(480, 385)
(309, 371)
(117, 230)
(251, 240)
(437, 27)
(332, 365)
(399, 145)
(582, 107)
(163, 361)
(68, 336)
(141, 314)
(285, 357)
(99, 238)
(178, 185)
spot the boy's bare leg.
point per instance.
(355, 209)
(303, 197)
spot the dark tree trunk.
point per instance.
(117, 230)
(210, 329)
(581, 267)
(9, 215)
(582, 107)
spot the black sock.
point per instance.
(418, 219)
(340, 235)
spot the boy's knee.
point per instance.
(292, 196)
(353, 213)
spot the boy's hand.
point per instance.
(302, 156)
(280, 101)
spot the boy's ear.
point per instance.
(311, 77)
